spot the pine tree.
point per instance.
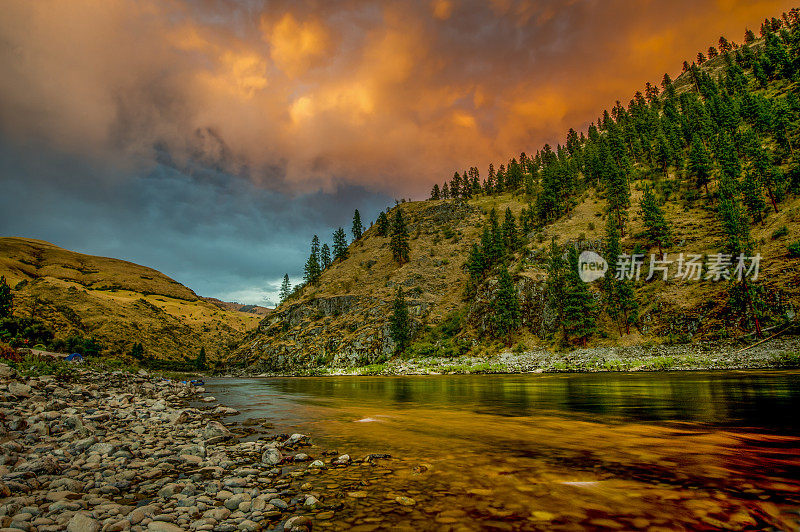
(286, 288)
(339, 245)
(382, 224)
(137, 351)
(578, 319)
(445, 190)
(554, 286)
(325, 257)
(744, 293)
(619, 295)
(435, 194)
(510, 233)
(312, 270)
(654, 222)
(399, 242)
(200, 361)
(400, 323)
(506, 313)
(358, 227)
(726, 156)
(476, 263)
(619, 193)
(752, 196)
(6, 299)
(700, 164)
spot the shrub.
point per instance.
(794, 249)
(9, 354)
(782, 231)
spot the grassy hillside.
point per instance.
(741, 108)
(115, 302)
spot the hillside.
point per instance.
(118, 303)
(706, 165)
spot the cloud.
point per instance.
(387, 97)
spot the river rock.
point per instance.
(271, 456)
(215, 432)
(82, 523)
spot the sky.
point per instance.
(211, 139)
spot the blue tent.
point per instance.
(75, 357)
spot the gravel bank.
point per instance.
(779, 353)
(116, 452)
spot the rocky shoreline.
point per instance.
(777, 353)
(114, 451)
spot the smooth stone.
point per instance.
(82, 523)
(271, 456)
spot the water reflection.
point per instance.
(670, 450)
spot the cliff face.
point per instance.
(343, 321)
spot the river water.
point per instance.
(602, 451)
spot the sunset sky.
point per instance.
(211, 139)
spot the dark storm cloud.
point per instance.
(219, 234)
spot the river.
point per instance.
(605, 451)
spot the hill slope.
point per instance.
(717, 150)
(115, 301)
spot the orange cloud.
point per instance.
(306, 96)
(296, 46)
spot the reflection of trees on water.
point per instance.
(761, 399)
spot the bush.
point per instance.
(794, 249)
(782, 231)
(9, 354)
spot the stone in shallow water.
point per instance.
(297, 521)
(405, 501)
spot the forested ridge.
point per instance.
(702, 165)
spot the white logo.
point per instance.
(591, 266)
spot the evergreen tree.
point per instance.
(312, 269)
(339, 245)
(286, 288)
(200, 361)
(752, 196)
(137, 351)
(476, 263)
(382, 224)
(435, 194)
(399, 242)
(325, 257)
(399, 322)
(654, 222)
(700, 165)
(578, 318)
(726, 156)
(619, 296)
(445, 190)
(618, 193)
(358, 227)
(554, 286)
(510, 233)
(744, 293)
(505, 306)
(6, 299)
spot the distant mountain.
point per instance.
(239, 307)
(117, 302)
